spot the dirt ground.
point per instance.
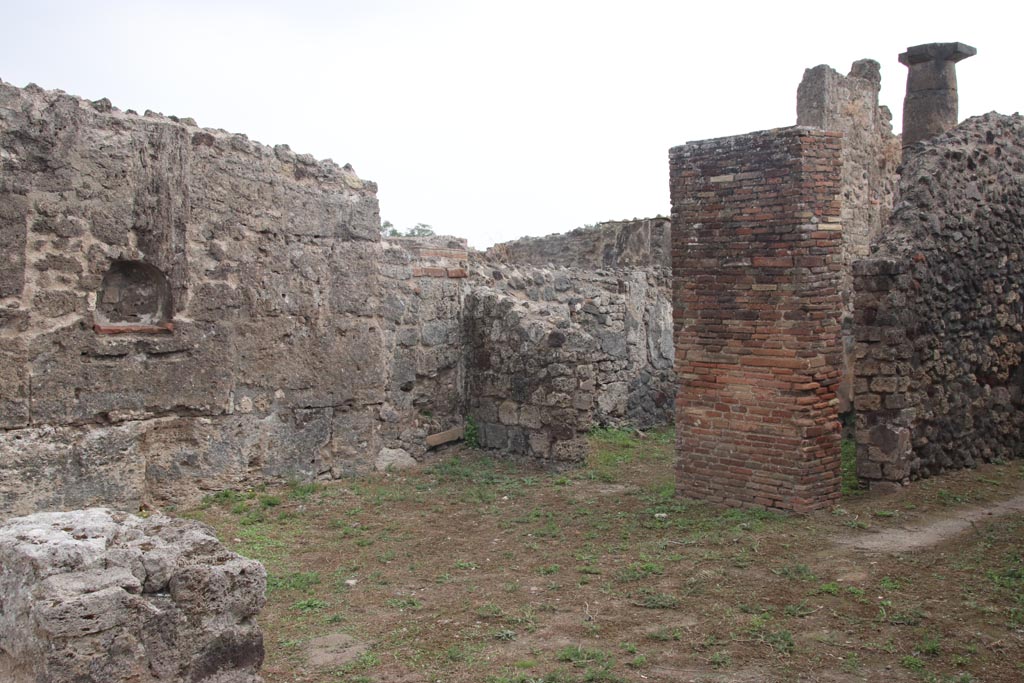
(471, 570)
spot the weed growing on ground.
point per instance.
(302, 490)
(655, 600)
(798, 572)
(310, 605)
(851, 483)
(404, 603)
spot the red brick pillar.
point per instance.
(756, 255)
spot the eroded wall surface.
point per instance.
(939, 313)
(98, 595)
(423, 289)
(274, 365)
(870, 156)
(870, 152)
(757, 254)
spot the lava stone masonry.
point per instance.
(938, 310)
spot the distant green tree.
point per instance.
(387, 229)
(420, 230)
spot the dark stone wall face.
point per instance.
(757, 253)
(552, 353)
(938, 310)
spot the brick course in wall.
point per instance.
(757, 254)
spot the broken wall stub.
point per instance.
(939, 313)
(870, 155)
(757, 254)
(639, 243)
(95, 596)
(272, 350)
(555, 352)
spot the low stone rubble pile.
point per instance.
(97, 596)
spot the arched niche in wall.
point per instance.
(134, 297)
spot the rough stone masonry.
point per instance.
(870, 155)
(183, 310)
(176, 310)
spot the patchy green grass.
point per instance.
(474, 569)
(851, 483)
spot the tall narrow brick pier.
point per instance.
(756, 255)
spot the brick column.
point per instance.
(757, 254)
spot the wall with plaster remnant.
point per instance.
(273, 363)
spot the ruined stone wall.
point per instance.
(870, 155)
(183, 310)
(756, 246)
(939, 313)
(556, 352)
(271, 358)
(639, 243)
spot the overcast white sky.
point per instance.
(494, 120)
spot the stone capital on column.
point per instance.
(930, 107)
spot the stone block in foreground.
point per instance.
(107, 597)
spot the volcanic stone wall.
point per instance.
(639, 243)
(939, 313)
(556, 352)
(241, 281)
(757, 250)
(870, 151)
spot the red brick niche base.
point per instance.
(756, 256)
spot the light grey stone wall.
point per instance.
(183, 310)
(424, 283)
(95, 596)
